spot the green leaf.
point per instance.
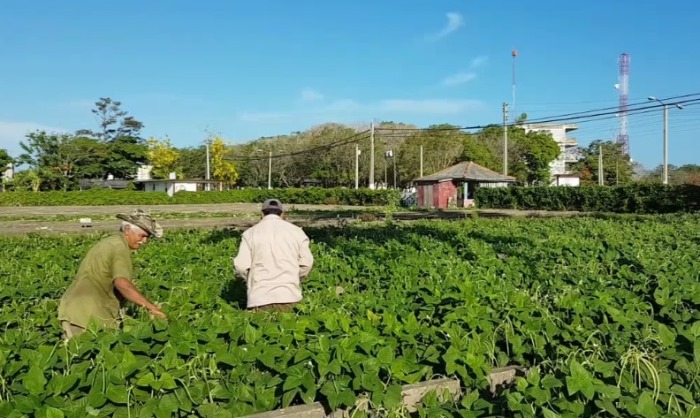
(35, 381)
(579, 381)
(146, 380)
(646, 406)
(551, 382)
(667, 336)
(386, 355)
(52, 412)
(117, 394)
(291, 382)
(167, 381)
(607, 405)
(394, 397)
(548, 413)
(210, 410)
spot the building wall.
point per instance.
(446, 194)
(185, 187)
(169, 186)
(567, 181)
(436, 195)
(8, 173)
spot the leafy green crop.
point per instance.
(632, 198)
(604, 312)
(100, 197)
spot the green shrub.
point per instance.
(636, 198)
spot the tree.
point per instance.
(539, 150)
(60, 159)
(114, 122)
(477, 151)
(27, 180)
(442, 147)
(193, 162)
(163, 157)
(224, 171)
(5, 159)
(529, 153)
(617, 167)
(121, 132)
(685, 174)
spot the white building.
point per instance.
(172, 184)
(560, 168)
(9, 172)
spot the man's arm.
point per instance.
(306, 259)
(243, 260)
(121, 279)
(131, 293)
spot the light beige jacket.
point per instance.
(273, 258)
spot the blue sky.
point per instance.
(255, 68)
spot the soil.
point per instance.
(316, 215)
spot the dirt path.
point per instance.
(58, 227)
(246, 216)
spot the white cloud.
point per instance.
(344, 109)
(459, 78)
(479, 61)
(465, 76)
(310, 96)
(454, 22)
(11, 133)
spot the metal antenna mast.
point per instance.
(512, 107)
(623, 86)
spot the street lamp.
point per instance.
(665, 168)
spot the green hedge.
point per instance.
(102, 197)
(636, 198)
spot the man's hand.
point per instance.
(156, 312)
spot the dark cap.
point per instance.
(272, 204)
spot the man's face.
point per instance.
(135, 237)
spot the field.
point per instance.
(604, 312)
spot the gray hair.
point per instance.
(131, 226)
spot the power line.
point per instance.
(564, 117)
(326, 147)
(581, 117)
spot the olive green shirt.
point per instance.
(92, 294)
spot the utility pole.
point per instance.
(386, 182)
(505, 139)
(665, 178)
(393, 160)
(679, 106)
(208, 141)
(357, 166)
(269, 170)
(600, 166)
(371, 156)
(421, 161)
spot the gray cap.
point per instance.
(144, 221)
(272, 204)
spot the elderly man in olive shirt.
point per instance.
(273, 258)
(105, 277)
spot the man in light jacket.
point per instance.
(273, 258)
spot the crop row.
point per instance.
(604, 312)
(102, 197)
